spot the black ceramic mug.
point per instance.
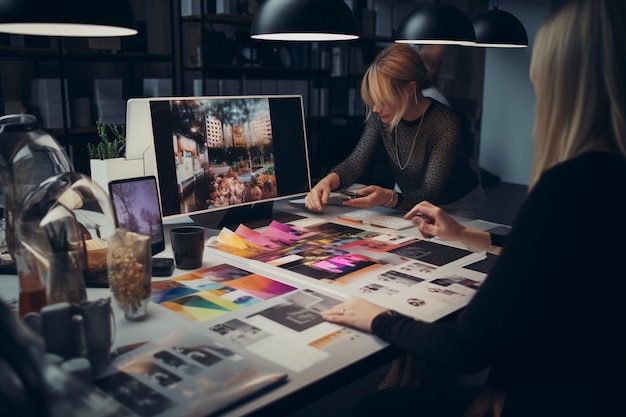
(188, 246)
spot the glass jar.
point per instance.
(130, 272)
(55, 222)
(28, 155)
(64, 278)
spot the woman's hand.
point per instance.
(371, 195)
(434, 221)
(317, 198)
(356, 313)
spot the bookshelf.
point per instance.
(200, 47)
(68, 83)
(218, 57)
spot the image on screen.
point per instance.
(136, 207)
(217, 153)
(232, 148)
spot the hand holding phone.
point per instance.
(352, 194)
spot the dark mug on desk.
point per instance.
(188, 246)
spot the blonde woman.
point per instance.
(548, 319)
(421, 136)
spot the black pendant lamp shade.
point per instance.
(304, 20)
(77, 18)
(500, 29)
(436, 23)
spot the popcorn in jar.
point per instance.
(130, 272)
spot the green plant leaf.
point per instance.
(108, 147)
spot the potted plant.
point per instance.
(108, 148)
(107, 162)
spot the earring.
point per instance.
(415, 95)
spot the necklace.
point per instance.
(417, 132)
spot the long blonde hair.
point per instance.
(578, 69)
(388, 76)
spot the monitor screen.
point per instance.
(219, 160)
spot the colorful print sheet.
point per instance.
(421, 278)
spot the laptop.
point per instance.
(137, 209)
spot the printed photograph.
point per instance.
(134, 394)
(432, 253)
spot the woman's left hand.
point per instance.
(356, 313)
(372, 195)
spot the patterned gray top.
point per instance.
(438, 169)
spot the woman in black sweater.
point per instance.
(422, 138)
(548, 318)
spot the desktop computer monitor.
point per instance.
(221, 160)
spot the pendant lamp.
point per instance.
(76, 18)
(499, 29)
(304, 20)
(436, 23)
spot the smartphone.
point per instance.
(351, 194)
(162, 267)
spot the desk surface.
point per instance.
(312, 373)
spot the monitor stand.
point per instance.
(253, 216)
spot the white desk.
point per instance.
(345, 361)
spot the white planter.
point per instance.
(105, 170)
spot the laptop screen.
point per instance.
(136, 206)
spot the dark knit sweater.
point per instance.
(548, 318)
(438, 169)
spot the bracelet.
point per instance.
(389, 204)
